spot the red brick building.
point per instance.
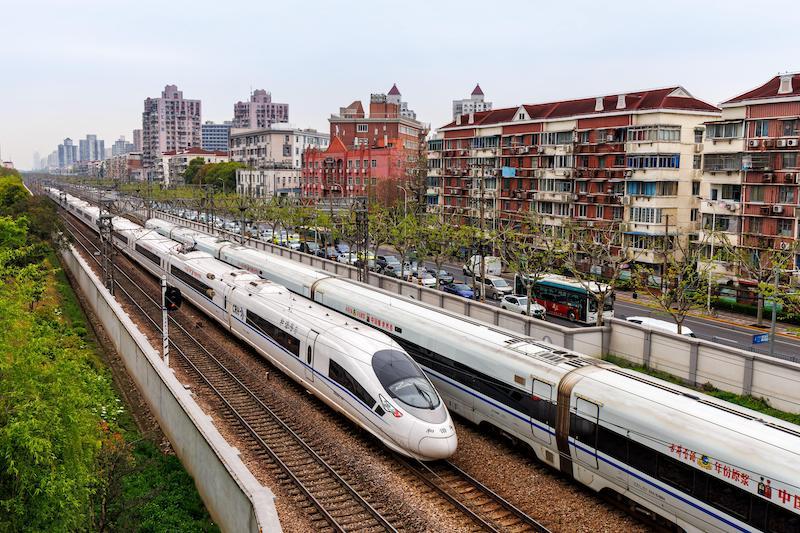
(368, 153)
(625, 157)
(751, 167)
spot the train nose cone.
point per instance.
(433, 448)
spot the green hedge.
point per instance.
(751, 310)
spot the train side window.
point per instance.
(343, 378)
(583, 430)
(613, 444)
(758, 512)
(782, 520)
(642, 458)
(676, 473)
(729, 498)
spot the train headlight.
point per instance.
(388, 407)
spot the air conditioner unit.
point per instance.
(626, 200)
(781, 143)
(784, 245)
(574, 197)
(610, 138)
(797, 178)
(753, 143)
(628, 173)
(590, 223)
(777, 209)
(540, 149)
(568, 148)
(792, 143)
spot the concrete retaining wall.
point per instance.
(699, 361)
(235, 499)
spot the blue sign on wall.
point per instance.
(761, 338)
(509, 172)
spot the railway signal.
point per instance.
(173, 299)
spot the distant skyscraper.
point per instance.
(137, 140)
(168, 123)
(259, 112)
(91, 149)
(473, 104)
(121, 146)
(37, 161)
(67, 153)
(215, 136)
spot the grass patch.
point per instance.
(750, 402)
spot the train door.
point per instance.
(542, 395)
(585, 430)
(311, 345)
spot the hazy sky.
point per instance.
(72, 67)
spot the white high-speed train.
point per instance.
(680, 457)
(357, 370)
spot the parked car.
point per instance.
(382, 261)
(496, 287)
(310, 248)
(330, 253)
(444, 276)
(661, 325)
(424, 278)
(342, 248)
(492, 265)
(294, 245)
(459, 289)
(349, 258)
(519, 304)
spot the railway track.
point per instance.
(333, 504)
(332, 500)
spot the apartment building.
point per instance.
(274, 158)
(171, 165)
(215, 137)
(750, 169)
(474, 104)
(627, 157)
(91, 148)
(259, 112)
(67, 154)
(368, 153)
(124, 167)
(170, 123)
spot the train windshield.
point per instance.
(403, 379)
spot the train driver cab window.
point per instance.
(403, 379)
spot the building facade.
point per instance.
(172, 164)
(626, 158)
(67, 154)
(170, 123)
(394, 97)
(91, 148)
(751, 170)
(274, 158)
(259, 112)
(137, 140)
(474, 104)
(124, 167)
(121, 146)
(368, 154)
(215, 137)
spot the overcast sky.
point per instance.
(72, 67)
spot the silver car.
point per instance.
(519, 304)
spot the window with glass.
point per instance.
(789, 128)
(728, 130)
(654, 161)
(789, 160)
(761, 128)
(786, 195)
(722, 162)
(757, 194)
(732, 192)
(646, 215)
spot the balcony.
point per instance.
(552, 196)
(721, 207)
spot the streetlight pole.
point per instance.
(405, 200)
(776, 275)
(711, 258)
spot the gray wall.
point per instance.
(235, 499)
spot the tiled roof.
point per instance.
(477, 90)
(394, 90)
(667, 98)
(769, 90)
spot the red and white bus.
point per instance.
(569, 298)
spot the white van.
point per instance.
(661, 325)
(493, 265)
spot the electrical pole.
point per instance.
(482, 226)
(711, 258)
(777, 277)
(106, 246)
(666, 251)
(164, 320)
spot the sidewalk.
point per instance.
(723, 317)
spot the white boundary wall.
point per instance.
(694, 360)
(236, 501)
